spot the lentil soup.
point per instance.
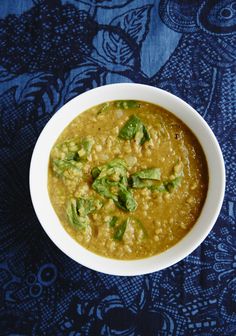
(127, 179)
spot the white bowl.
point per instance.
(48, 217)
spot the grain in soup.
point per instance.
(127, 179)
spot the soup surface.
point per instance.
(127, 179)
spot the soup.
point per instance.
(127, 179)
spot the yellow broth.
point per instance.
(166, 207)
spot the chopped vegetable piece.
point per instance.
(61, 166)
(64, 159)
(149, 174)
(86, 206)
(142, 135)
(104, 107)
(67, 156)
(167, 186)
(72, 156)
(119, 233)
(142, 178)
(127, 104)
(146, 136)
(108, 176)
(103, 187)
(130, 128)
(134, 128)
(78, 210)
(171, 185)
(75, 219)
(111, 181)
(160, 187)
(113, 221)
(137, 183)
(85, 147)
(147, 179)
(95, 172)
(116, 166)
(126, 200)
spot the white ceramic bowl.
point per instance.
(48, 217)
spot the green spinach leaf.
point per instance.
(167, 186)
(95, 172)
(77, 221)
(173, 184)
(78, 210)
(111, 181)
(103, 187)
(66, 157)
(85, 147)
(130, 128)
(86, 206)
(145, 137)
(119, 233)
(144, 178)
(113, 221)
(126, 199)
(149, 174)
(61, 166)
(134, 128)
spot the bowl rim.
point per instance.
(46, 214)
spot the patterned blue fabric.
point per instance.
(53, 50)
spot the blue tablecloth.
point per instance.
(53, 50)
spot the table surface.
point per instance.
(53, 50)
